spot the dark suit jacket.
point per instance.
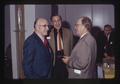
(108, 44)
(37, 59)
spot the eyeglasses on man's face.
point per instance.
(43, 25)
(76, 25)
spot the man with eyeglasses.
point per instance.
(82, 61)
(37, 55)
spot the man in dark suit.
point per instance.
(61, 41)
(37, 58)
(82, 61)
(108, 41)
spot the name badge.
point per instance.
(48, 37)
(77, 71)
(110, 42)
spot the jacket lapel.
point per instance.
(52, 42)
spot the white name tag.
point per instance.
(77, 71)
(48, 37)
(110, 42)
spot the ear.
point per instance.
(37, 28)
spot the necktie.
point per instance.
(60, 46)
(45, 42)
(59, 42)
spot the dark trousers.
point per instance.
(60, 71)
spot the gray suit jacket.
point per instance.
(83, 58)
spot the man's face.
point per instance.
(107, 30)
(56, 22)
(78, 27)
(42, 27)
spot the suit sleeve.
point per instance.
(71, 41)
(80, 59)
(28, 57)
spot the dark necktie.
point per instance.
(45, 42)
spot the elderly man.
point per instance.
(81, 63)
(37, 58)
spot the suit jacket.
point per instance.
(82, 59)
(37, 59)
(108, 44)
(67, 41)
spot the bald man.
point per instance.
(82, 60)
(37, 56)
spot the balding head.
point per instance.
(41, 26)
(40, 21)
(82, 26)
(86, 22)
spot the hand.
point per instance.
(65, 59)
(105, 54)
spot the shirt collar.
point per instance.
(41, 37)
(59, 30)
(83, 35)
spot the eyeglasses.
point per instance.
(76, 25)
(43, 25)
(107, 30)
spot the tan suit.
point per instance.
(67, 41)
(83, 58)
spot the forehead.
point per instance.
(108, 28)
(55, 17)
(79, 21)
(42, 21)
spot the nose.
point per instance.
(47, 28)
(57, 22)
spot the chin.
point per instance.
(76, 34)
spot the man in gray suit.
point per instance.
(81, 63)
